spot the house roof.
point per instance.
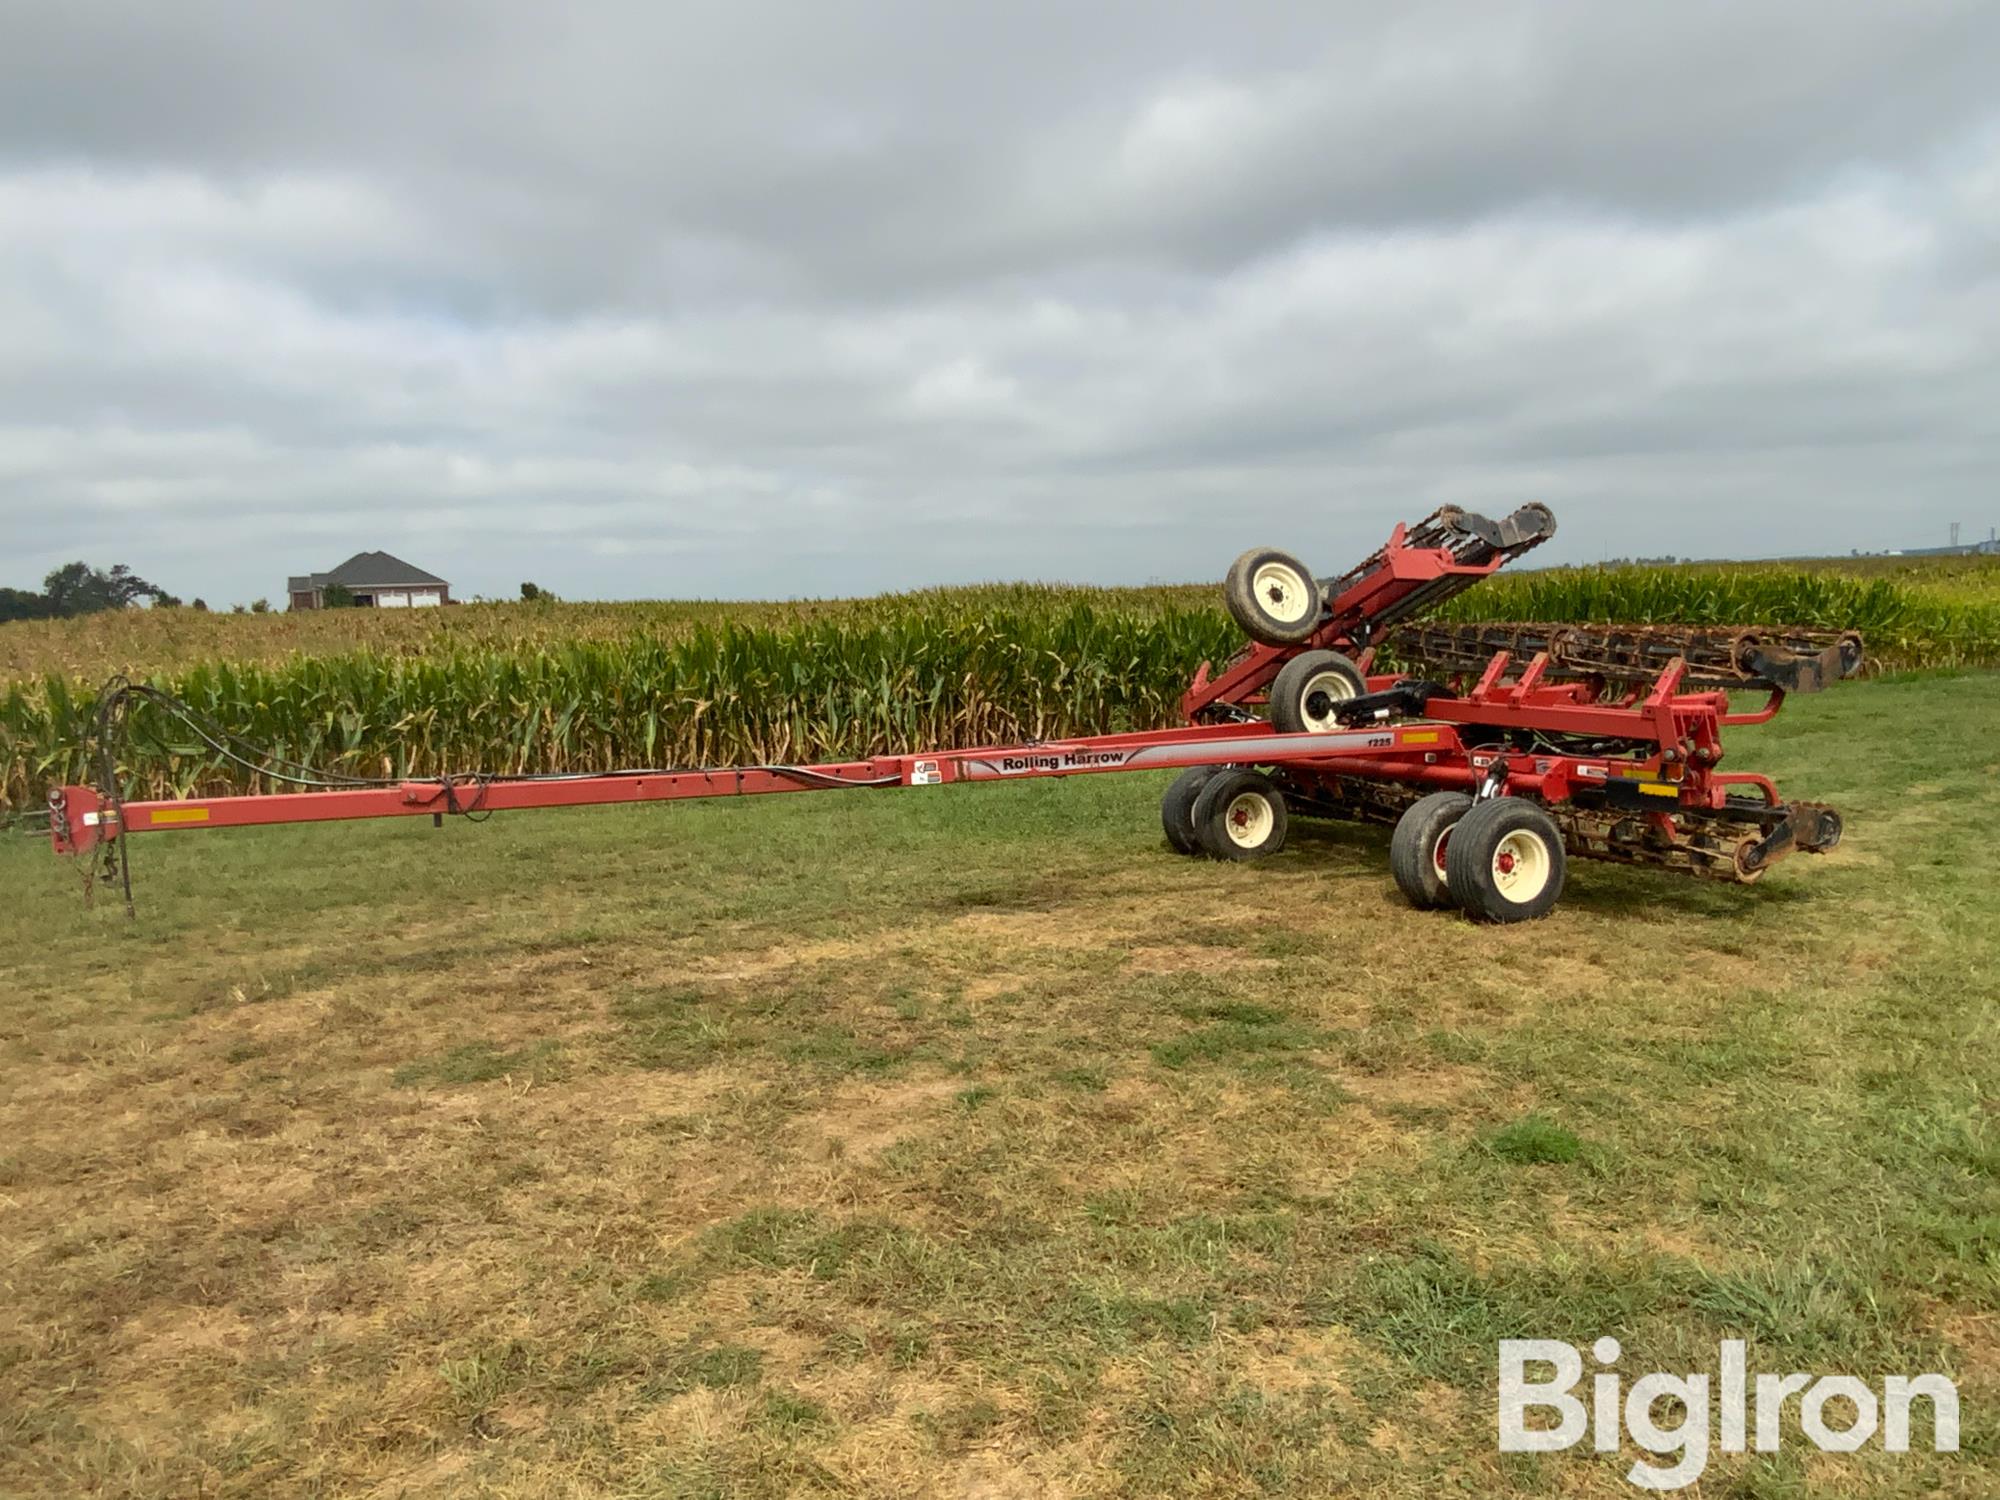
(368, 570)
(378, 569)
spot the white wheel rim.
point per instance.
(1282, 593)
(1336, 687)
(1248, 820)
(1438, 852)
(1521, 866)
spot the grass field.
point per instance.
(969, 1143)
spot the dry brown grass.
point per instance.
(269, 1247)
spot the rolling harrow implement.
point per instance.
(1534, 744)
(1795, 660)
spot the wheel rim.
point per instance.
(1437, 852)
(1248, 819)
(1282, 593)
(1521, 866)
(1323, 691)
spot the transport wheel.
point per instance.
(1417, 848)
(1177, 808)
(1307, 687)
(1272, 595)
(1240, 815)
(1504, 861)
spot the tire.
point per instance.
(1307, 687)
(1240, 815)
(1418, 847)
(1273, 596)
(1505, 861)
(1177, 808)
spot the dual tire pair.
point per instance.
(1499, 860)
(1224, 812)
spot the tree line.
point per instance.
(79, 589)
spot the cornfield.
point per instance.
(1905, 626)
(714, 695)
(531, 688)
(142, 642)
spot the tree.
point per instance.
(260, 606)
(128, 587)
(79, 589)
(335, 596)
(23, 604)
(76, 588)
(533, 592)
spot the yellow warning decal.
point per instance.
(179, 815)
(1418, 737)
(1659, 789)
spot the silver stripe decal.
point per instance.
(1250, 748)
(1056, 759)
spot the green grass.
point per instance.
(968, 1141)
(1534, 1140)
(481, 1062)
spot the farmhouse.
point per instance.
(372, 578)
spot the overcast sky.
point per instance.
(749, 299)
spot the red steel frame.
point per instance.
(1398, 571)
(1679, 733)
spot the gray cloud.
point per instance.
(775, 299)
